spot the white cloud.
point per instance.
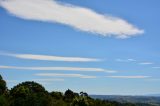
(130, 77)
(49, 57)
(59, 68)
(48, 80)
(146, 63)
(81, 18)
(136, 61)
(42, 81)
(131, 59)
(126, 60)
(65, 75)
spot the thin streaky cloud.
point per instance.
(131, 59)
(58, 68)
(120, 60)
(48, 80)
(80, 18)
(145, 63)
(129, 77)
(126, 60)
(49, 57)
(38, 80)
(65, 75)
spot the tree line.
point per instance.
(30, 93)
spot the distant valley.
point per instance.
(150, 99)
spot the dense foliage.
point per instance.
(33, 94)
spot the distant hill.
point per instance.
(155, 95)
(152, 99)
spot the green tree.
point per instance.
(3, 93)
(84, 94)
(56, 95)
(3, 101)
(3, 87)
(30, 94)
(80, 101)
(69, 95)
(1, 77)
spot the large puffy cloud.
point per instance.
(83, 19)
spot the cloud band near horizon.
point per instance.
(80, 18)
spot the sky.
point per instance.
(98, 46)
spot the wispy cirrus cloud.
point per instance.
(38, 80)
(129, 77)
(131, 59)
(81, 18)
(136, 61)
(49, 57)
(48, 80)
(126, 60)
(59, 69)
(145, 63)
(65, 75)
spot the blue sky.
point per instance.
(101, 47)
